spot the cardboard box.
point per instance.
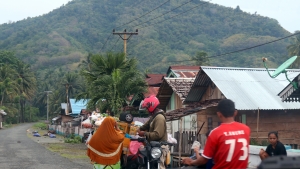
(133, 130)
(123, 127)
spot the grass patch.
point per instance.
(72, 156)
(42, 126)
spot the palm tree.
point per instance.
(86, 64)
(294, 50)
(112, 79)
(8, 84)
(27, 83)
(71, 84)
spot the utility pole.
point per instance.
(48, 104)
(124, 38)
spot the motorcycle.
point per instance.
(147, 157)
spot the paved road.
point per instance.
(17, 151)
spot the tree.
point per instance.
(27, 85)
(201, 59)
(86, 64)
(112, 79)
(8, 85)
(294, 50)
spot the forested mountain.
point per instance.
(176, 31)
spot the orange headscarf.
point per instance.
(105, 147)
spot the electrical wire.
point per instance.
(144, 14)
(115, 44)
(242, 49)
(105, 42)
(164, 13)
(176, 15)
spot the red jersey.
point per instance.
(228, 146)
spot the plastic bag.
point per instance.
(99, 121)
(196, 144)
(171, 139)
(134, 146)
(86, 123)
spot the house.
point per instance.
(154, 81)
(2, 114)
(291, 93)
(73, 110)
(173, 92)
(255, 97)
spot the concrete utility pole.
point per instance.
(48, 104)
(124, 38)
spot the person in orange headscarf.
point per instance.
(105, 147)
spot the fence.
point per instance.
(67, 129)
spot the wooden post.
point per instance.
(125, 43)
(180, 140)
(257, 122)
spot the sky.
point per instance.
(286, 12)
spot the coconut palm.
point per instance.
(112, 79)
(294, 50)
(8, 84)
(86, 64)
(27, 83)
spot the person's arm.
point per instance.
(263, 154)
(196, 150)
(282, 150)
(159, 128)
(145, 127)
(199, 161)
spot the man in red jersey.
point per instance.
(228, 144)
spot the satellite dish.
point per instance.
(281, 69)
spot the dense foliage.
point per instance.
(65, 35)
(111, 80)
(17, 87)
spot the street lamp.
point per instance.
(47, 104)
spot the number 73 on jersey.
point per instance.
(232, 145)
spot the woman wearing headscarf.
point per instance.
(105, 147)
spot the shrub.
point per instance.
(41, 126)
(73, 139)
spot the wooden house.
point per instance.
(256, 98)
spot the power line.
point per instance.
(163, 13)
(144, 14)
(175, 15)
(244, 48)
(115, 44)
(105, 42)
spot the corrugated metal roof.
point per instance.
(78, 106)
(252, 88)
(183, 71)
(289, 93)
(154, 79)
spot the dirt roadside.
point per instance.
(74, 152)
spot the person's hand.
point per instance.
(187, 161)
(196, 150)
(261, 151)
(141, 133)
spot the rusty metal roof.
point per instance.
(181, 86)
(289, 93)
(151, 91)
(249, 88)
(183, 71)
(154, 79)
(190, 109)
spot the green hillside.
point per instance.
(63, 37)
